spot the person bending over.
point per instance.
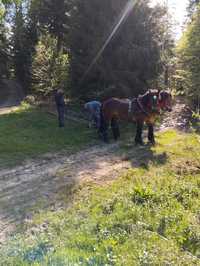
(94, 109)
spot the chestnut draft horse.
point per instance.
(144, 108)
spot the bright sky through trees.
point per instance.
(178, 11)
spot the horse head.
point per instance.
(150, 100)
(156, 100)
(165, 101)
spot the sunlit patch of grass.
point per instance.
(149, 216)
(29, 132)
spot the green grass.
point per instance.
(196, 122)
(149, 216)
(29, 133)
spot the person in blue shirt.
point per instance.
(94, 110)
(60, 105)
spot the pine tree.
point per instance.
(5, 57)
(50, 68)
(192, 6)
(187, 78)
(21, 49)
(52, 16)
(130, 61)
(4, 52)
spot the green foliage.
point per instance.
(21, 49)
(133, 60)
(146, 217)
(3, 5)
(54, 18)
(192, 5)
(1, 11)
(130, 61)
(4, 43)
(49, 68)
(187, 79)
(4, 56)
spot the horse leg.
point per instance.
(115, 128)
(138, 137)
(151, 134)
(105, 131)
(103, 127)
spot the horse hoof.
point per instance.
(152, 143)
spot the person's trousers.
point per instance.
(61, 115)
(95, 119)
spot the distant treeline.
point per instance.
(187, 73)
(46, 44)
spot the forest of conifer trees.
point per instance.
(46, 44)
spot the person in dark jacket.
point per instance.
(60, 105)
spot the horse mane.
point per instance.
(164, 94)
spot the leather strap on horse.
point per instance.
(141, 106)
(129, 109)
(129, 106)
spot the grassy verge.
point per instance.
(149, 216)
(29, 133)
(196, 122)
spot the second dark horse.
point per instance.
(144, 108)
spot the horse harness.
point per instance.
(131, 108)
(138, 103)
(141, 106)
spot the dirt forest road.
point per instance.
(42, 183)
(24, 188)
